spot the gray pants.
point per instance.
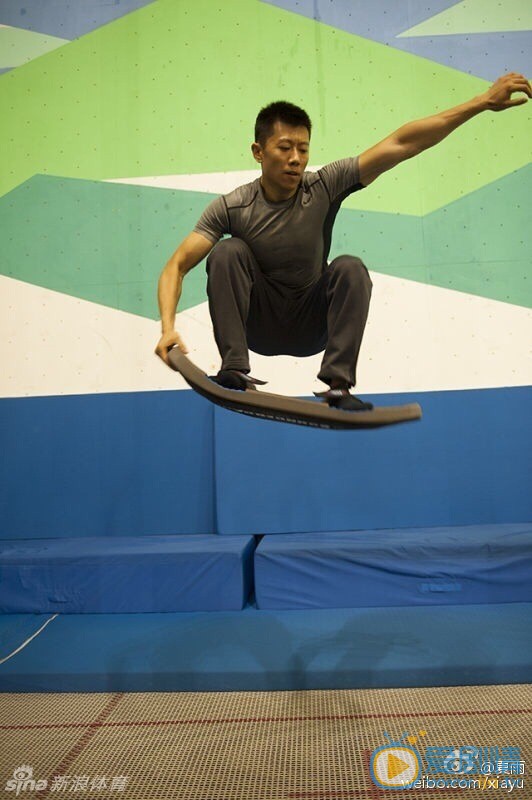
(250, 310)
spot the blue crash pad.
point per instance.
(423, 566)
(254, 650)
(202, 572)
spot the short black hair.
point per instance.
(283, 112)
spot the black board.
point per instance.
(265, 405)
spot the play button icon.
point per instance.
(395, 767)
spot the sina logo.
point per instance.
(396, 765)
(23, 781)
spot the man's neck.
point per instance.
(275, 195)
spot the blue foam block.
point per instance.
(126, 575)
(253, 650)
(106, 465)
(466, 462)
(427, 566)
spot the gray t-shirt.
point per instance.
(291, 239)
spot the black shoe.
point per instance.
(233, 379)
(340, 398)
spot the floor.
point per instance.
(302, 745)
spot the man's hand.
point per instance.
(166, 342)
(499, 96)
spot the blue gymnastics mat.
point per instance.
(467, 462)
(402, 567)
(254, 650)
(104, 465)
(146, 574)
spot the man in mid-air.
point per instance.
(270, 286)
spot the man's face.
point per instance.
(285, 156)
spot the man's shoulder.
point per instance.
(311, 177)
(243, 195)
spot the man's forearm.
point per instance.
(424, 133)
(169, 292)
(414, 137)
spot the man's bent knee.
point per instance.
(229, 246)
(352, 268)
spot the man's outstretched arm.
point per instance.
(414, 137)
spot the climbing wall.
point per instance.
(124, 121)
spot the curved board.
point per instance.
(266, 405)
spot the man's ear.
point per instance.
(256, 149)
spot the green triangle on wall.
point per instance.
(18, 46)
(102, 242)
(476, 16)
